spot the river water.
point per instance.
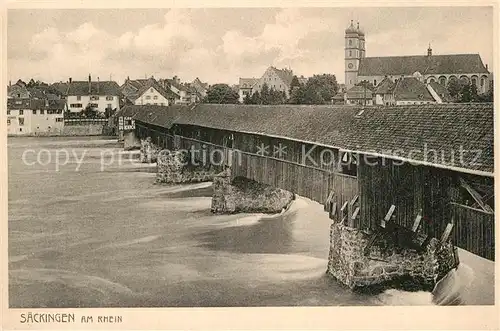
(100, 233)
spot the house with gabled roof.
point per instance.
(274, 78)
(35, 116)
(443, 68)
(147, 92)
(200, 87)
(18, 90)
(409, 91)
(245, 87)
(277, 79)
(99, 95)
(359, 95)
(185, 93)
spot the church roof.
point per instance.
(426, 65)
(351, 28)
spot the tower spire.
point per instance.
(429, 50)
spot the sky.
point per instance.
(219, 45)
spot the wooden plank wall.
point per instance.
(410, 188)
(474, 230)
(309, 182)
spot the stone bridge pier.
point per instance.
(388, 257)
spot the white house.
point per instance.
(100, 95)
(153, 94)
(32, 117)
(274, 78)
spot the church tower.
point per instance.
(354, 50)
(361, 34)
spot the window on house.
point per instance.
(20, 129)
(94, 97)
(59, 111)
(350, 53)
(42, 111)
(8, 112)
(21, 112)
(148, 97)
(156, 104)
(34, 111)
(109, 106)
(78, 97)
(128, 122)
(109, 97)
(151, 90)
(482, 81)
(350, 42)
(21, 120)
(59, 119)
(375, 82)
(19, 102)
(8, 122)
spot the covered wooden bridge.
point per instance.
(422, 166)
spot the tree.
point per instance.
(247, 100)
(468, 93)
(221, 93)
(89, 112)
(326, 86)
(295, 84)
(488, 96)
(318, 90)
(108, 112)
(454, 88)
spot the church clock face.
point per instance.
(350, 65)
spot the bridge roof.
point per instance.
(434, 135)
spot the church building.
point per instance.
(426, 68)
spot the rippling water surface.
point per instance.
(108, 237)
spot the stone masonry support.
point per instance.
(350, 263)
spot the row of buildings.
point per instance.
(40, 108)
(393, 80)
(400, 80)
